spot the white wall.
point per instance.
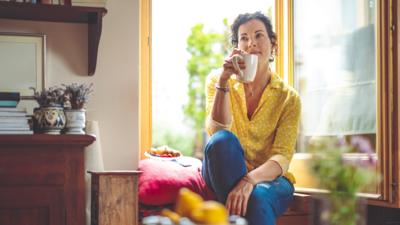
(114, 102)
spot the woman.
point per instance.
(253, 127)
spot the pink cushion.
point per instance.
(160, 181)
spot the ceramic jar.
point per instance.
(49, 119)
(76, 120)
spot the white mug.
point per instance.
(249, 73)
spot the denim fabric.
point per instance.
(223, 167)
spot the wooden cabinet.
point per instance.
(42, 179)
(59, 13)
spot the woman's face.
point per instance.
(253, 39)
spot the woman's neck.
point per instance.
(261, 80)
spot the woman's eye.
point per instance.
(243, 38)
(259, 35)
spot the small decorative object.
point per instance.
(343, 179)
(76, 96)
(49, 118)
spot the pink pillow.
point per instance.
(160, 181)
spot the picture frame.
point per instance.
(22, 63)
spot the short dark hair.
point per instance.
(244, 18)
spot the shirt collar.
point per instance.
(276, 81)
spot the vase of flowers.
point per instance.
(77, 96)
(49, 118)
(342, 179)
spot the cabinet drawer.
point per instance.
(39, 168)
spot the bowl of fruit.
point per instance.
(163, 153)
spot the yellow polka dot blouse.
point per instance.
(271, 132)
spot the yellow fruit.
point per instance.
(187, 201)
(171, 214)
(210, 212)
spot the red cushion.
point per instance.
(160, 181)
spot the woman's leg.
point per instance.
(268, 201)
(223, 164)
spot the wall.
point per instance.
(114, 102)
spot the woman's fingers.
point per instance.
(232, 203)
(239, 203)
(244, 206)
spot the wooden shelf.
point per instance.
(59, 13)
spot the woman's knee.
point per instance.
(221, 141)
(260, 207)
(260, 196)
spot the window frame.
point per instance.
(387, 103)
(387, 86)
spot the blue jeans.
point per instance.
(223, 167)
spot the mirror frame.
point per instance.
(39, 41)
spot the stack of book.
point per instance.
(89, 3)
(9, 99)
(14, 121)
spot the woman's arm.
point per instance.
(221, 112)
(218, 110)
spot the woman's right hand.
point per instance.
(228, 68)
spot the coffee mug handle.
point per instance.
(235, 60)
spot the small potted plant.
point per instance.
(343, 177)
(49, 118)
(77, 96)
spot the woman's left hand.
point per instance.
(237, 200)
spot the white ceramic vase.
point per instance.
(76, 119)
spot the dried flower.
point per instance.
(78, 95)
(53, 96)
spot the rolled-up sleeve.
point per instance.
(286, 134)
(211, 125)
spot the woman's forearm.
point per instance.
(220, 110)
(266, 172)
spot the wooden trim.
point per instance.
(116, 172)
(145, 110)
(279, 25)
(396, 99)
(384, 104)
(290, 36)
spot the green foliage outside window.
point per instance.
(207, 50)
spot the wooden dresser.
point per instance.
(42, 179)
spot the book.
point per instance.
(16, 132)
(90, 4)
(88, 1)
(8, 114)
(8, 103)
(15, 96)
(14, 123)
(14, 128)
(12, 109)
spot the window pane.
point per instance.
(171, 80)
(335, 70)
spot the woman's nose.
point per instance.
(252, 43)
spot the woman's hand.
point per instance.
(237, 200)
(228, 69)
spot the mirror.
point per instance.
(22, 63)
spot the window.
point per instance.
(335, 74)
(177, 91)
